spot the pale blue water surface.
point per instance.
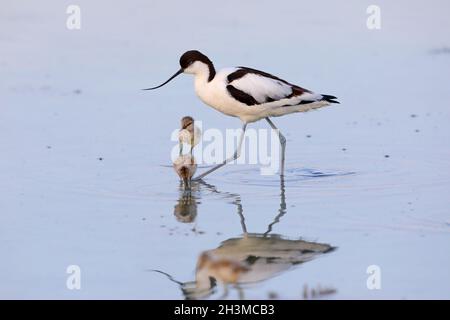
(69, 98)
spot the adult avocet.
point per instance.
(248, 94)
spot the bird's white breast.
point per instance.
(215, 94)
(185, 136)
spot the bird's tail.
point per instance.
(329, 98)
(310, 102)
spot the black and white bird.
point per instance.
(248, 94)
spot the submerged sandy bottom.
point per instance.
(85, 175)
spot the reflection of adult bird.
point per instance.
(189, 133)
(246, 260)
(251, 258)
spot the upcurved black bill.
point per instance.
(176, 74)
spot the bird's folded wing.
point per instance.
(254, 87)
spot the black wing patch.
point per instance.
(241, 96)
(242, 71)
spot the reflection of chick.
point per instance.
(185, 166)
(186, 209)
(189, 133)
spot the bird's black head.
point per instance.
(186, 122)
(191, 56)
(188, 65)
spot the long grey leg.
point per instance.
(240, 292)
(236, 155)
(225, 292)
(282, 142)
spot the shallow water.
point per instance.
(86, 177)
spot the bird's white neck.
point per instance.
(203, 72)
(200, 81)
